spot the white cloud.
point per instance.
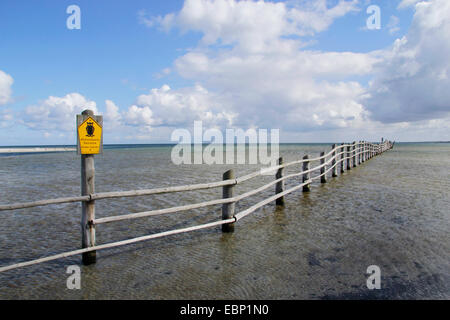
(6, 82)
(112, 117)
(139, 116)
(408, 3)
(412, 82)
(57, 113)
(167, 107)
(284, 89)
(252, 26)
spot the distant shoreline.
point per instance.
(62, 148)
(68, 148)
(36, 149)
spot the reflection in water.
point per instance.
(392, 211)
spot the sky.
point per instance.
(315, 70)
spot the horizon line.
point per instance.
(205, 142)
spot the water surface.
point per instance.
(393, 211)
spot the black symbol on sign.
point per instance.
(90, 129)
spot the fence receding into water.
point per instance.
(341, 158)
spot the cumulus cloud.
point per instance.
(262, 75)
(252, 25)
(167, 107)
(6, 82)
(112, 117)
(287, 89)
(412, 82)
(139, 116)
(57, 113)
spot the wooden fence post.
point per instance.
(363, 154)
(279, 187)
(88, 207)
(360, 152)
(307, 187)
(354, 154)
(365, 151)
(333, 162)
(342, 158)
(228, 208)
(323, 179)
(348, 158)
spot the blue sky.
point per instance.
(126, 53)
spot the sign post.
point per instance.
(89, 143)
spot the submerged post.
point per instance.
(342, 157)
(360, 152)
(363, 152)
(89, 142)
(323, 178)
(349, 167)
(88, 207)
(228, 208)
(279, 187)
(333, 162)
(306, 175)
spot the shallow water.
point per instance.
(392, 211)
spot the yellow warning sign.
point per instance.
(89, 136)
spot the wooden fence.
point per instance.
(341, 158)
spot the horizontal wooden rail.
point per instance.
(15, 206)
(146, 192)
(118, 194)
(255, 207)
(115, 244)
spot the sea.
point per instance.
(392, 211)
